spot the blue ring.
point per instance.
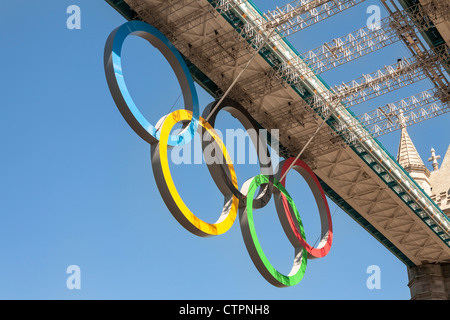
(119, 90)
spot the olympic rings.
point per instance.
(223, 174)
(119, 90)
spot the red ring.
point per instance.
(323, 247)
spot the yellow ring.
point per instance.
(169, 192)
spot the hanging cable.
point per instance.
(240, 74)
(305, 146)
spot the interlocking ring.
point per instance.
(254, 248)
(222, 171)
(288, 219)
(177, 207)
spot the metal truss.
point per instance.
(382, 120)
(397, 26)
(300, 14)
(373, 85)
(418, 14)
(186, 22)
(391, 77)
(297, 15)
(417, 108)
(350, 47)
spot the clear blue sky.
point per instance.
(77, 186)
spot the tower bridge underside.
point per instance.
(363, 179)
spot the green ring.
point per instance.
(253, 245)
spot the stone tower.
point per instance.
(429, 281)
(410, 160)
(440, 181)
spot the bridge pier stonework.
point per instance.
(429, 281)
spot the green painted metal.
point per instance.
(123, 8)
